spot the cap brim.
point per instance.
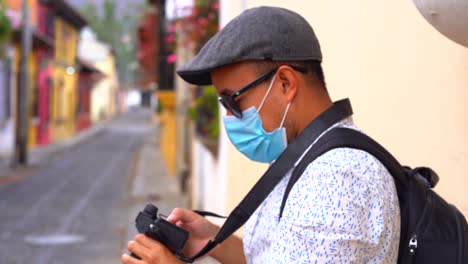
(196, 77)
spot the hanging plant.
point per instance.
(205, 113)
(203, 23)
(192, 32)
(5, 23)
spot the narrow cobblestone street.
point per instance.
(74, 207)
(77, 204)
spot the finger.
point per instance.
(179, 223)
(156, 252)
(138, 249)
(139, 238)
(126, 259)
(149, 243)
(184, 215)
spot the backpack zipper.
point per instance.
(413, 242)
(413, 245)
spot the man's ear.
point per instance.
(288, 78)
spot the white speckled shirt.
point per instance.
(343, 209)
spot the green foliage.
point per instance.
(117, 30)
(205, 113)
(195, 30)
(159, 107)
(5, 24)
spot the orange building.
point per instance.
(40, 43)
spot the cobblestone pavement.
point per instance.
(153, 184)
(73, 207)
(77, 203)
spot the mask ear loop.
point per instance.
(285, 113)
(267, 93)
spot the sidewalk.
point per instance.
(40, 154)
(153, 184)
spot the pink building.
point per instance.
(45, 55)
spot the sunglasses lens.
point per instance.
(230, 105)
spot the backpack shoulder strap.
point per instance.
(348, 138)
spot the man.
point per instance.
(266, 68)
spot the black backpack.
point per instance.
(432, 230)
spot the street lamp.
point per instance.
(449, 17)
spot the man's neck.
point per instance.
(313, 111)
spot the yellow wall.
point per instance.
(168, 129)
(408, 85)
(100, 100)
(103, 94)
(32, 68)
(65, 84)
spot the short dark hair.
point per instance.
(313, 67)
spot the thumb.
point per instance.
(183, 215)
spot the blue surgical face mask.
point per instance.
(249, 137)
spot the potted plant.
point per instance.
(194, 31)
(5, 27)
(205, 113)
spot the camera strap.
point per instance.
(286, 162)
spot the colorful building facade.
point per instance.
(45, 75)
(104, 93)
(57, 78)
(15, 14)
(51, 64)
(63, 95)
(88, 77)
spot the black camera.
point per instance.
(151, 224)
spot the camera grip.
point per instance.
(149, 223)
(168, 234)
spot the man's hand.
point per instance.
(200, 232)
(200, 229)
(150, 251)
(153, 252)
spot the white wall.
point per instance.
(7, 129)
(7, 139)
(207, 184)
(183, 101)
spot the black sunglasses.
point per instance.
(228, 100)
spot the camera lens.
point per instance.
(151, 210)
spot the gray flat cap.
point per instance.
(262, 33)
